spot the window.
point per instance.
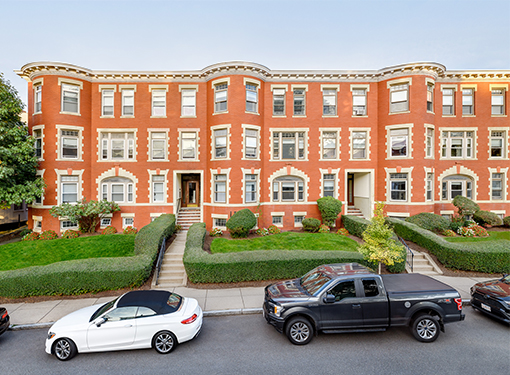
(251, 97)
(456, 185)
(329, 146)
(299, 102)
(70, 98)
(497, 144)
(359, 102)
(288, 145)
(37, 133)
(38, 200)
(117, 189)
(117, 146)
(106, 221)
(448, 102)
(497, 186)
(128, 102)
(158, 145)
(359, 145)
(498, 102)
(429, 186)
(67, 224)
(468, 107)
(251, 139)
(430, 97)
(399, 98)
(158, 188)
(370, 287)
(128, 222)
(159, 102)
(328, 185)
(298, 220)
(38, 99)
(288, 189)
(399, 141)
(37, 225)
(329, 102)
(220, 97)
(429, 143)
(188, 102)
(398, 186)
(220, 188)
(344, 289)
(218, 222)
(189, 145)
(107, 102)
(69, 142)
(220, 143)
(69, 188)
(250, 190)
(456, 144)
(277, 220)
(278, 102)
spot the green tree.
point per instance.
(465, 206)
(379, 247)
(18, 163)
(329, 208)
(86, 214)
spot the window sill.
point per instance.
(158, 160)
(329, 116)
(441, 158)
(432, 113)
(68, 159)
(288, 160)
(356, 116)
(106, 116)
(219, 113)
(351, 159)
(279, 116)
(449, 115)
(299, 116)
(250, 159)
(399, 113)
(468, 115)
(188, 116)
(158, 117)
(496, 159)
(70, 113)
(399, 157)
(117, 160)
(189, 160)
(332, 159)
(36, 113)
(127, 116)
(252, 113)
(491, 115)
(221, 159)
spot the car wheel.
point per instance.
(299, 331)
(164, 342)
(425, 328)
(64, 349)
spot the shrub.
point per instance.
(48, 235)
(240, 223)
(24, 232)
(311, 224)
(216, 232)
(33, 236)
(355, 224)
(487, 218)
(324, 229)
(449, 233)
(465, 206)
(70, 234)
(273, 229)
(110, 229)
(343, 232)
(430, 221)
(506, 221)
(262, 232)
(458, 222)
(330, 208)
(178, 228)
(130, 230)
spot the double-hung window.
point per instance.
(158, 188)
(220, 143)
(69, 141)
(456, 185)
(288, 189)
(468, 101)
(251, 97)
(328, 185)
(359, 102)
(220, 97)
(158, 102)
(128, 102)
(158, 145)
(299, 102)
(430, 97)
(448, 102)
(398, 187)
(251, 140)
(278, 102)
(329, 102)
(250, 190)
(118, 146)
(429, 186)
(37, 133)
(70, 98)
(497, 186)
(498, 101)
(189, 145)
(399, 98)
(38, 99)
(117, 189)
(429, 152)
(69, 188)
(188, 102)
(220, 188)
(497, 142)
(359, 145)
(329, 145)
(399, 140)
(107, 102)
(457, 144)
(288, 145)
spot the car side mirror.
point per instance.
(99, 321)
(330, 298)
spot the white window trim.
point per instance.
(115, 130)
(61, 220)
(41, 128)
(107, 216)
(254, 128)
(39, 82)
(151, 90)
(39, 219)
(149, 149)
(58, 150)
(58, 183)
(299, 87)
(289, 171)
(213, 141)
(121, 89)
(255, 83)
(188, 87)
(73, 82)
(334, 172)
(289, 130)
(474, 152)
(458, 170)
(409, 190)
(433, 146)
(505, 146)
(39, 173)
(278, 214)
(432, 83)
(504, 183)
(396, 82)
(125, 216)
(504, 87)
(243, 187)
(214, 173)
(330, 87)
(427, 171)
(468, 86)
(338, 138)
(120, 172)
(107, 87)
(213, 86)
(179, 152)
(300, 213)
(455, 89)
(219, 216)
(360, 87)
(367, 143)
(409, 141)
(279, 87)
(158, 172)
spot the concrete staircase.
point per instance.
(187, 216)
(353, 211)
(423, 263)
(172, 272)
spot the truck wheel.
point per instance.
(299, 331)
(425, 328)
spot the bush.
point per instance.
(33, 236)
(449, 233)
(487, 218)
(240, 223)
(458, 222)
(24, 232)
(130, 230)
(202, 267)
(355, 224)
(506, 221)
(216, 232)
(48, 235)
(91, 275)
(311, 224)
(330, 208)
(110, 229)
(465, 206)
(262, 232)
(273, 229)
(491, 257)
(430, 221)
(70, 234)
(324, 229)
(343, 232)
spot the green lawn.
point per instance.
(286, 241)
(493, 236)
(39, 253)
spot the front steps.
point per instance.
(353, 211)
(187, 216)
(423, 263)
(172, 272)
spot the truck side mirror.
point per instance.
(330, 298)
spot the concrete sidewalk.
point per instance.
(227, 301)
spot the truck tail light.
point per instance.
(458, 301)
(4, 314)
(190, 320)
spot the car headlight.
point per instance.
(51, 335)
(277, 310)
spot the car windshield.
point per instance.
(106, 307)
(313, 281)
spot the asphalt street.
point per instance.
(247, 345)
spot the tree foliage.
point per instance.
(465, 206)
(329, 208)
(86, 214)
(18, 163)
(379, 247)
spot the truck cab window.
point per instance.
(370, 287)
(343, 290)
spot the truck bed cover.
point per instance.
(407, 283)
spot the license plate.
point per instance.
(485, 307)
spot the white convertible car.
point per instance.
(139, 319)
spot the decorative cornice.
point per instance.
(437, 71)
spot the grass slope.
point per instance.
(493, 236)
(39, 253)
(286, 241)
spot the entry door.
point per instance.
(192, 193)
(350, 189)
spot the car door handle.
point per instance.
(128, 325)
(358, 306)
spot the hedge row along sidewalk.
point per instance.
(202, 267)
(91, 275)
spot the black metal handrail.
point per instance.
(161, 254)
(409, 254)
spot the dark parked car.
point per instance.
(4, 320)
(337, 298)
(493, 298)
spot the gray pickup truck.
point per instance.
(339, 298)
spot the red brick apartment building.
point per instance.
(238, 135)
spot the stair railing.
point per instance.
(161, 254)
(410, 254)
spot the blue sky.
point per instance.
(280, 34)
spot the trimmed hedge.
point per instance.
(240, 223)
(430, 221)
(91, 275)
(487, 218)
(203, 267)
(491, 257)
(311, 224)
(506, 221)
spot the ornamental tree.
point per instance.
(379, 247)
(86, 214)
(465, 206)
(329, 208)
(18, 162)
